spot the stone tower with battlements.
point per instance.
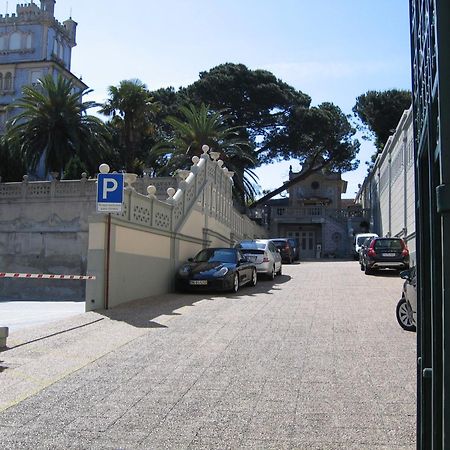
(33, 43)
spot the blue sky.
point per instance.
(333, 50)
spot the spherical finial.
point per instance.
(195, 159)
(183, 174)
(220, 163)
(171, 192)
(103, 168)
(214, 155)
(83, 175)
(205, 148)
(151, 190)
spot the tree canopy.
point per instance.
(133, 113)
(253, 118)
(380, 112)
(255, 100)
(52, 123)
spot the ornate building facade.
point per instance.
(314, 213)
(33, 44)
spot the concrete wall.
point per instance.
(44, 229)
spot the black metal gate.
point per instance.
(430, 56)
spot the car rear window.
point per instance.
(250, 245)
(280, 243)
(388, 244)
(252, 251)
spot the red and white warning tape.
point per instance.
(46, 276)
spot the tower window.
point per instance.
(15, 41)
(7, 86)
(1, 82)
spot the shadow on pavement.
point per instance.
(140, 313)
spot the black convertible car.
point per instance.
(216, 269)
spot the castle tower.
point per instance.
(33, 43)
(48, 6)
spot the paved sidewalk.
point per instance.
(313, 360)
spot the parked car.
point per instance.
(359, 240)
(363, 247)
(286, 250)
(264, 254)
(216, 269)
(385, 253)
(406, 310)
(295, 243)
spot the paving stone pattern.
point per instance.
(312, 360)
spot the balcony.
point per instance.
(316, 214)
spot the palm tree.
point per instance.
(52, 123)
(201, 126)
(132, 110)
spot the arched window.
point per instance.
(7, 85)
(1, 82)
(15, 41)
(28, 43)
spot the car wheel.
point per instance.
(254, 279)
(235, 287)
(280, 270)
(404, 315)
(367, 270)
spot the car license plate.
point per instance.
(388, 254)
(198, 282)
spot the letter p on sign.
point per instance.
(109, 185)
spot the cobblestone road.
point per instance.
(314, 360)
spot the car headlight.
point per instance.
(184, 271)
(221, 272)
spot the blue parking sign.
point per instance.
(109, 192)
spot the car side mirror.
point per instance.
(243, 260)
(190, 259)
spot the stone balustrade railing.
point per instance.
(207, 185)
(41, 190)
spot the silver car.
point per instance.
(264, 254)
(406, 311)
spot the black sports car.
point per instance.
(216, 269)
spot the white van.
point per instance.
(358, 241)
